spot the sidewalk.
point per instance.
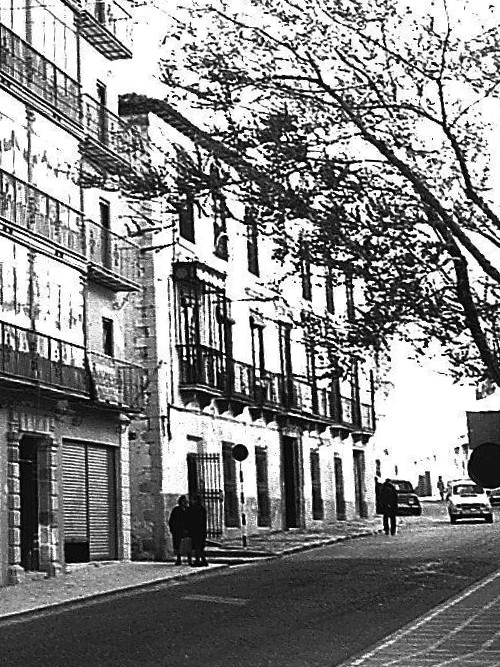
(462, 632)
(91, 580)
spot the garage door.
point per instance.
(89, 502)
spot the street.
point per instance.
(319, 607)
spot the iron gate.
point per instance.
(204, 477)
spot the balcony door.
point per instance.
(292, 478)
(204, 335)
(102, 99)
(105, 222)
(285, 331)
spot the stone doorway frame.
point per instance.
(42, 428)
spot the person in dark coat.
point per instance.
(197, 529)
(177, 522)
(389, 504)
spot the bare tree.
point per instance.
(370, 119)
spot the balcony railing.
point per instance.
(302, 395)
(23, 205)
(110, 142)
(116, 382)
(32, 356)
(242, 377)
(43, 360)
(202, 366)
(114, 259)
(22, 63)
(347, 406)
(107, 26)
(367, 416)
(208, 370)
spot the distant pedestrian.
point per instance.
(389, 503)
(178, 524)
(197, 529)
(440, 486)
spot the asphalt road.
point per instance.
(314, 608)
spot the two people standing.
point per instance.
(188, 525)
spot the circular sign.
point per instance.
(484, 465)
(240, 452)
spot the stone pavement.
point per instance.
(91, 580)
(462, 632)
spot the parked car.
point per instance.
(467, 500)
(494, 495)
(408, 501)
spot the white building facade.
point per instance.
(228, 363)
(66, 270)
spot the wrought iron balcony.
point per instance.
(31, 209)
(109, 142)
(21, 64)
(107, 25)
(367, 420)
(209, 371)
(42, 360)
(202, 367)
(114, 259)
(115, 382)
(241, 377)
(347, 409)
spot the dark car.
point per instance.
(408, 501)
(494, 495)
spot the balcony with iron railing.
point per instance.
(29, 357)
(207, 371)
(367, 417)
(37, 77)
(107, 25)
(109, 142)
(116, 382)
(34, 211)
(42, 360)
(113, 259)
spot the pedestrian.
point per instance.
(389, 503)
(440, 486)
(178, 524)
(197, 529)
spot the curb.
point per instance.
(22, 615)
(131, 588)
(325, 542)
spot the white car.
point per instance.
(467, 500)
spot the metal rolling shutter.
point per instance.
(101, 499)
(89, 501)
(74, 492)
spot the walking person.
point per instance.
(440, 486)
(389, 502)
(197, 529)
(178, 524)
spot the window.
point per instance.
(252, 243)
(317, 500)
(258, 357)
(263, 503)
(107, 337)
(106, 244)
(305, 271)
(349, 288)
(330, 302)
(220, 229)
(231, 508)
(186, 219)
